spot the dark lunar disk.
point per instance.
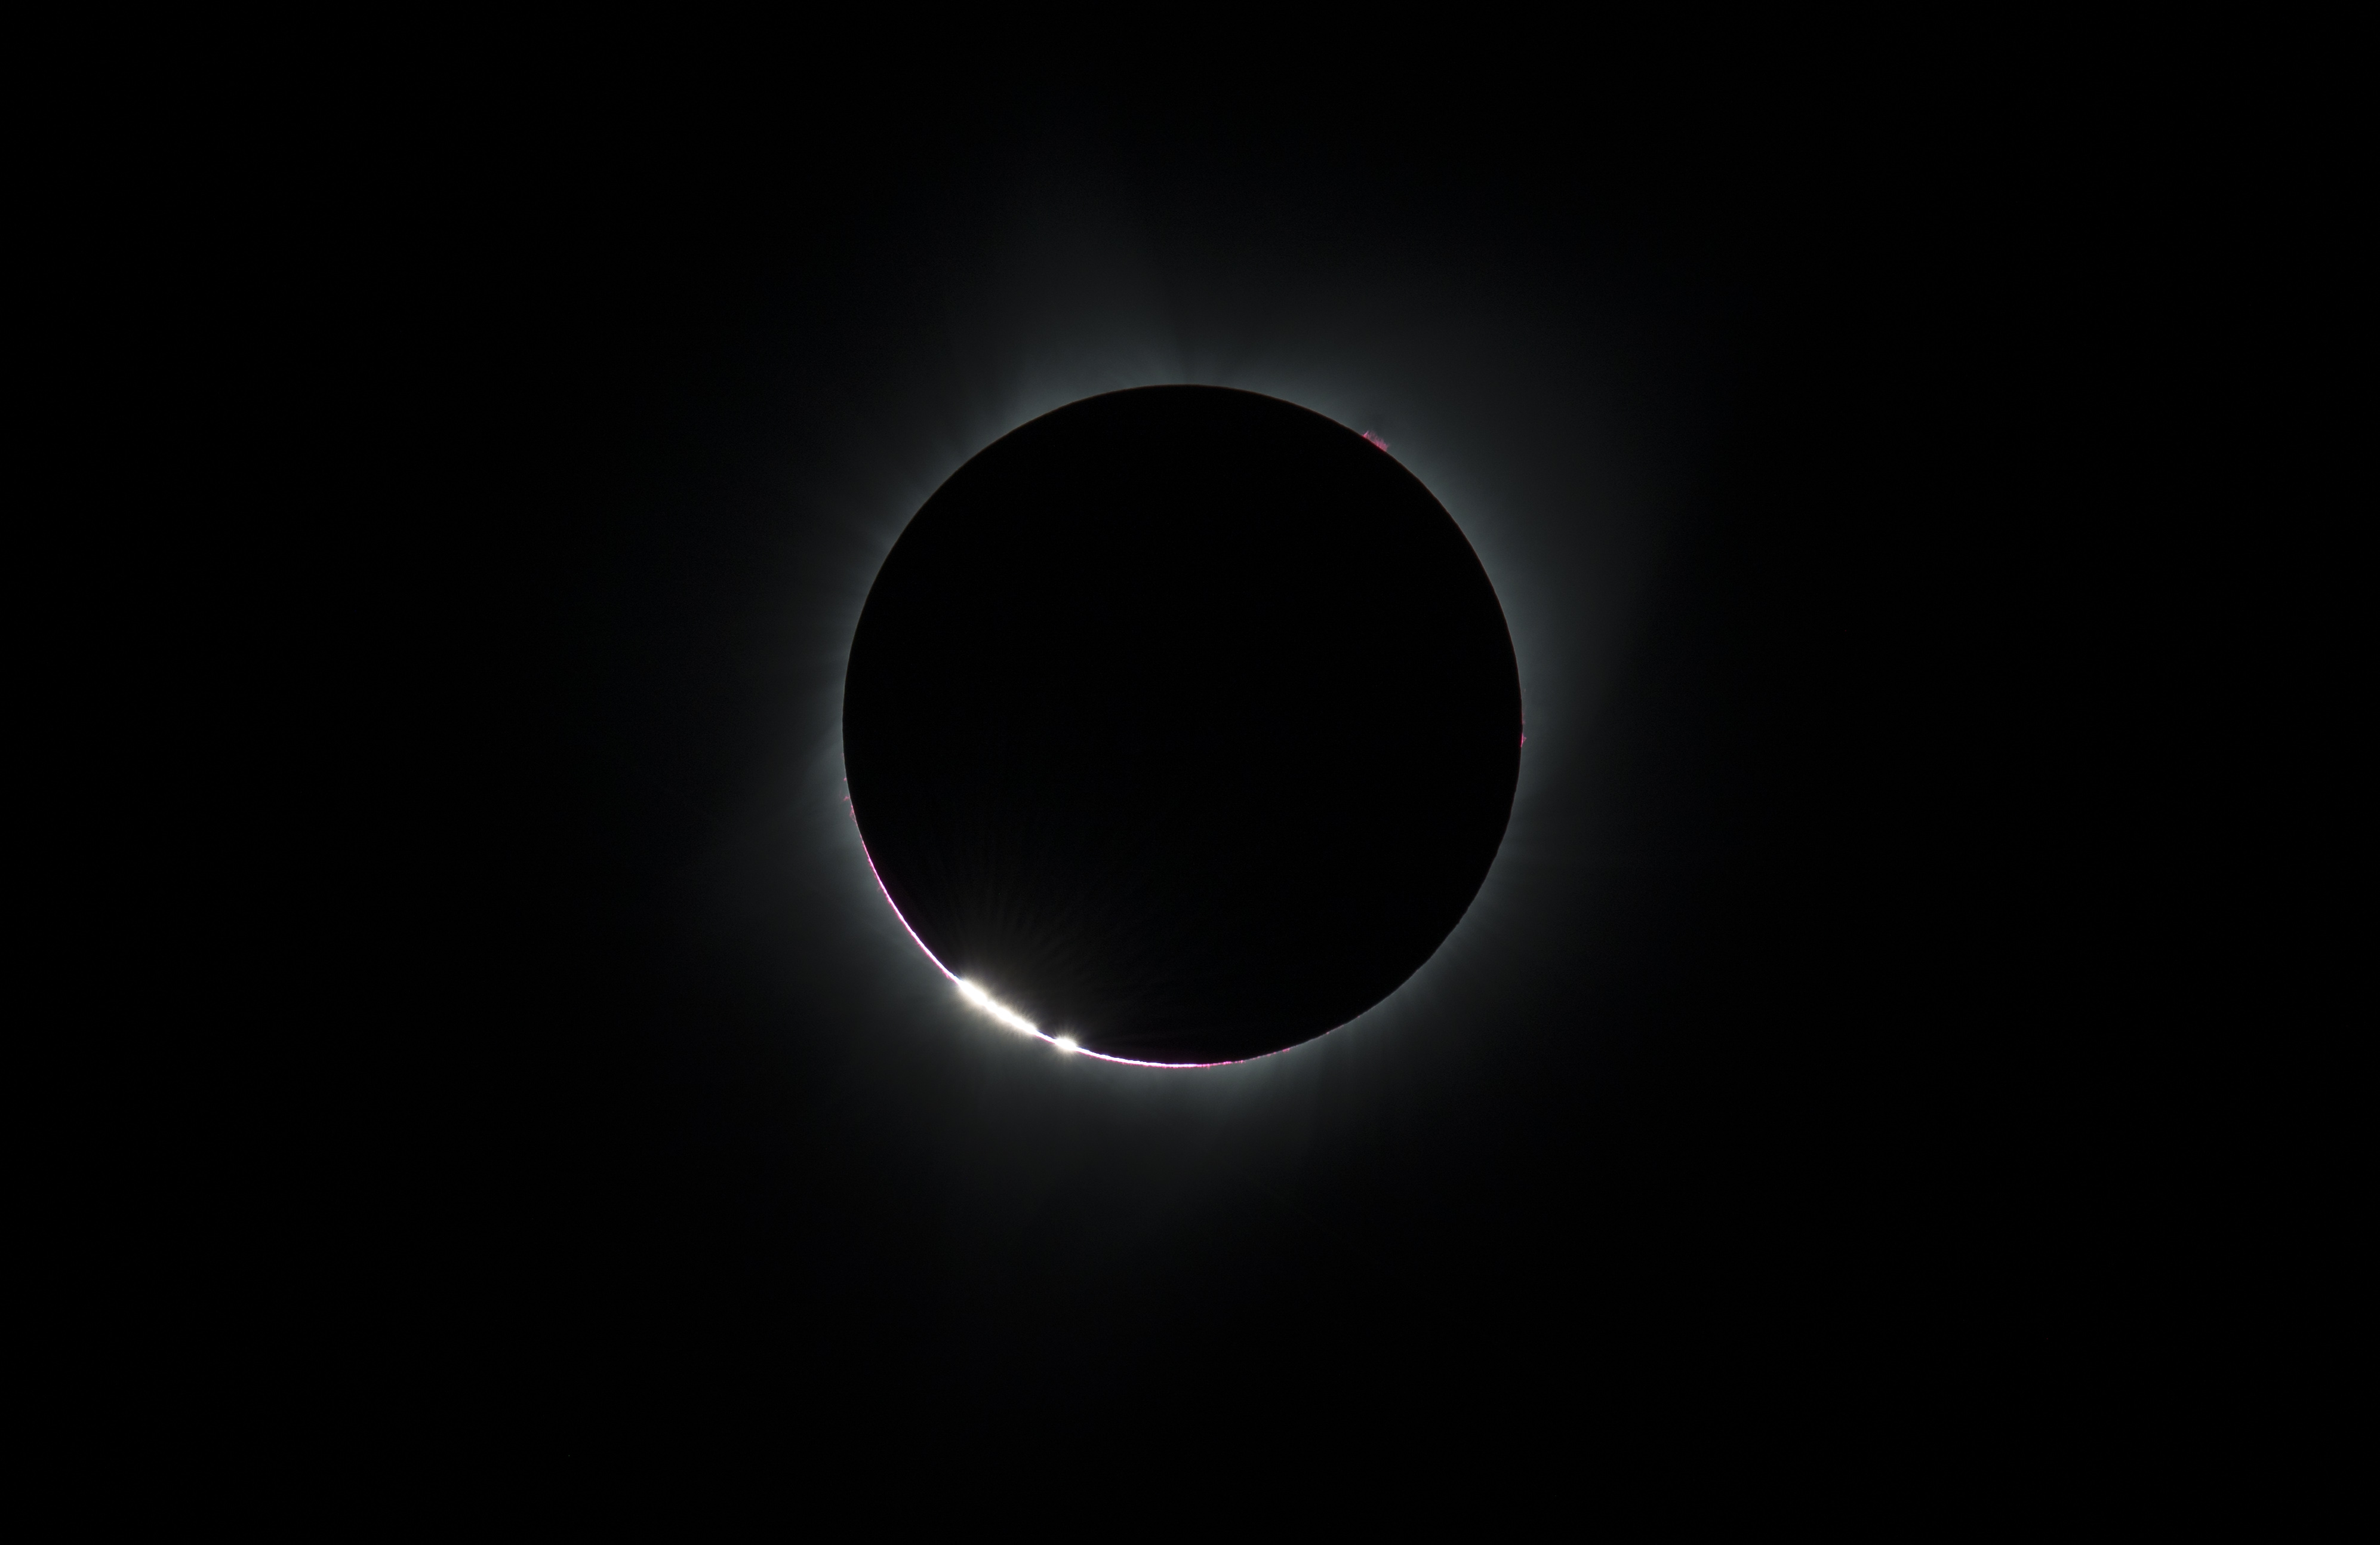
(1184, 722)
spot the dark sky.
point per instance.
(1699, 1111)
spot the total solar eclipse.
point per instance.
(1182, 726)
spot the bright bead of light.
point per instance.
(999, 1011)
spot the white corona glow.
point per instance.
(1065, 1043)
(999, 1010)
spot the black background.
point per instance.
(612, 1110)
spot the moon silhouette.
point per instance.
(1182, 726)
